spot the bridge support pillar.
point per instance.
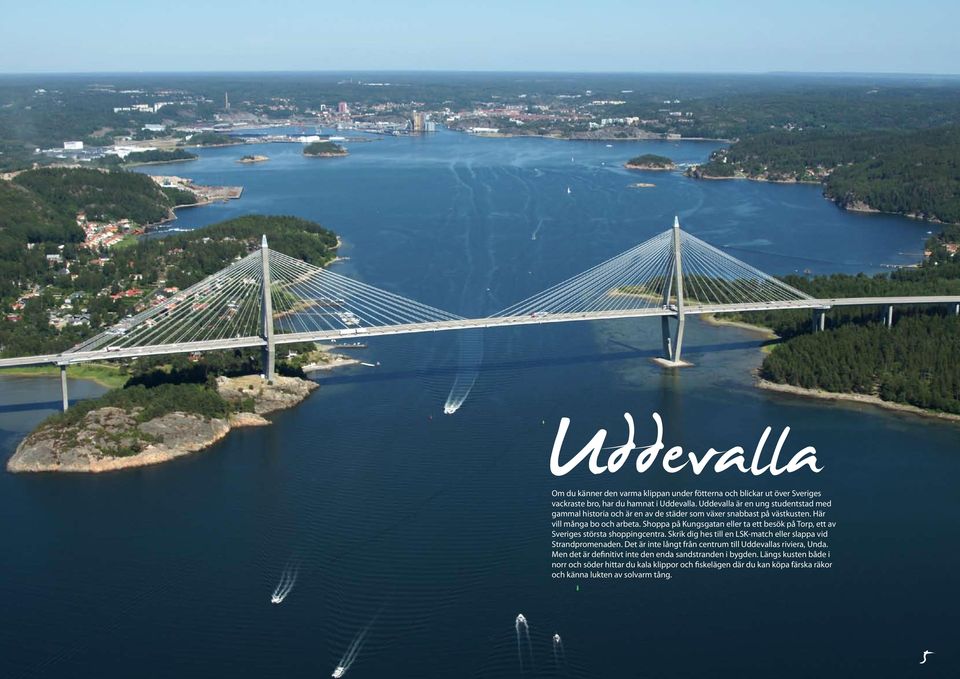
(956, 309)
(888, 315)
(673, 346)
(678, 344)
(63, 387)
(819, 320)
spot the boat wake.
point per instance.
(533, 236)
(353, 650)
(559, 657)
(524, 647)
(471, 356)
(287, 580)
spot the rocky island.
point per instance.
(249, 159)
(650, 161)
(154, 425)
(324, 149)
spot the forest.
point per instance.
(103, 196)
(914, 362)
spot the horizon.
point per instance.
(611, 36)
(505, 71)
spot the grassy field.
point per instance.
(105, 374)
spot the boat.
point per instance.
(569, 191)
(556, 638)
(339, 672)
(521, 620)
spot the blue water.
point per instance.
(434, 529)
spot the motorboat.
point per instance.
(339, 672)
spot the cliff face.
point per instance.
(113, 438)
(267, 398)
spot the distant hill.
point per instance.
(101, 195)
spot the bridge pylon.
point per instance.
(673, 346)
(266, 306)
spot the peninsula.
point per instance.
(167, 406)
(905, 173)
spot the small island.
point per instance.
(139, 426)
(650, 161)
(324, 149)
(252, 159)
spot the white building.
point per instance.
(73, 146)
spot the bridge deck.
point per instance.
(691, 309)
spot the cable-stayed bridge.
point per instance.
(267, 299)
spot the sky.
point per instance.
(882, 36)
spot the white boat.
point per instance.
(521, 620)
(339, 672)
(569, 191)
(556, 638)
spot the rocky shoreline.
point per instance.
(650, 167)
(108, 439)
(854, 398)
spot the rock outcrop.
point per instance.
(111, 438)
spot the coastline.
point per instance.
(753, 179)
(105, 375)
(79, 448)
(714, 320)
(857, 206)
(854, 398)
(161, 162)
(651, 136)
(651, 168)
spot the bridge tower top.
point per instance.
(263, 242)
(676, 223)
